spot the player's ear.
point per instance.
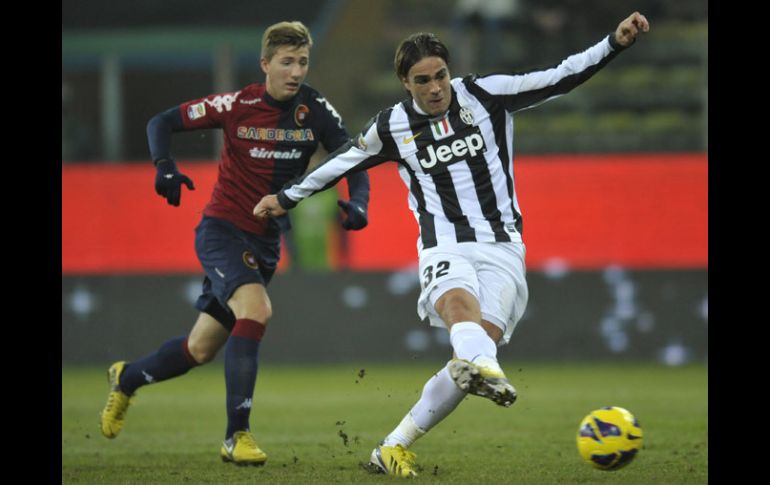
(263, 63)
(405, 83)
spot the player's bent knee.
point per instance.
(261, 314)
(201, 352)
(252, 302)
(494, 332)
(264, 314)
(458, 305)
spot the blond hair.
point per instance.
(292, 33)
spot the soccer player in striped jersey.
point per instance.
(453, 142)
(271, 130)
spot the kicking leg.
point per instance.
(474, 340)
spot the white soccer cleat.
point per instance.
(484, 381)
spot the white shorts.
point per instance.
(493, 272)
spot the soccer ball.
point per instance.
(609, 438)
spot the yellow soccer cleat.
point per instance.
(393, 460)
(242, 450)
(114, 412)
(485, 381)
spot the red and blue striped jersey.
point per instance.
(266, 144)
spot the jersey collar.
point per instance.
(280, 104)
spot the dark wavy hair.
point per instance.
(416, 47)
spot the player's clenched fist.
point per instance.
(629, 28)
(269, 207)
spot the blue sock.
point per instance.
(241, 372)
(172, 359)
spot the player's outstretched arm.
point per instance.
(630, 28)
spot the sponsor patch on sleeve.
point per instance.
(195, 111)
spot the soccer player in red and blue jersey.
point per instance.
(271, 130)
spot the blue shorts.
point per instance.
(231, 258)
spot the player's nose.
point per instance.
(296, 72)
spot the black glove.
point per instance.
(168, 181)
(356, 215)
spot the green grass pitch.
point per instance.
(319, 423)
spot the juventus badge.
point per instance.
(466, 116)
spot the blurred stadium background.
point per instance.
(612, 179)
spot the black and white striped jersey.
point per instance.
(458, 167)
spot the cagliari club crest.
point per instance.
(300, 114)
(250, 260)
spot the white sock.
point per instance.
(440, 396)
(471, 342)
(406, 433)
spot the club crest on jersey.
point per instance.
(464, 145)
(195, 111)
(250, 260)
(300, 114)
(466, 116)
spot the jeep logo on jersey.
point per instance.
(464, 145)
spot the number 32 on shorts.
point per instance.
(442, 269)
